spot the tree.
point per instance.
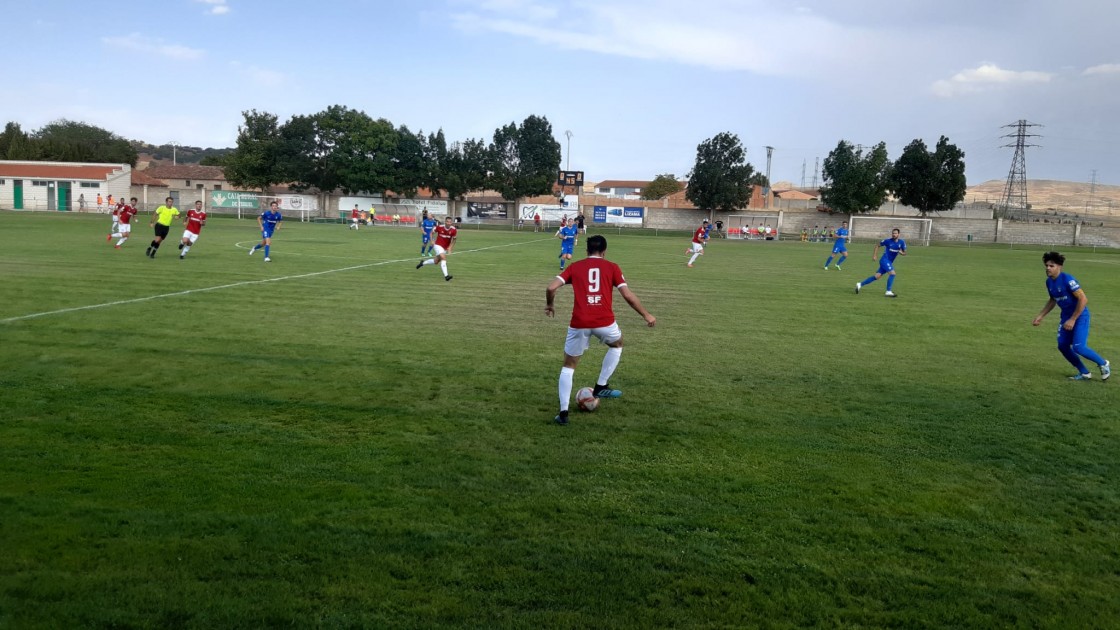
(254, 163)
(350, 151)
(524, 160)
(662, 186)
(14, 143)
(720, 179)
(459, 168)
(930, 182)
(854, 182)
(69, 141)
(412, 168)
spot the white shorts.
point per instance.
(124, 228)
(438, 250)
(697, 248)
(189, 236)
(580, 338)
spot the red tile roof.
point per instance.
(187, 171)
(622, 183)
(49, 170)
(140, 178)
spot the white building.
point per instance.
(60, 185)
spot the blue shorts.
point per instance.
(839, 248)
(1080, 333)
(424, 238)
(266, 233)
(566, 248)
(885, 266)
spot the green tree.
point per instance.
(14, 135)
(663, 185)
(721, 177)
(412, 168)
(524, 160)
(69, 141)
(458, 168)
(854, 182)
(350, 151)
(254, 163)
(929, 181)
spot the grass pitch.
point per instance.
(338, 439)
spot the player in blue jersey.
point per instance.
(426, 226)
(567, 235)
(840, 248)
(1073, 329)
(893, 246)
(269, 220)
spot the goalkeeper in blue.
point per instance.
(1073, 329)
(840, 248)
(893, 246)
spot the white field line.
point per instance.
(234, 285)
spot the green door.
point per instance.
(17, 194)
(64, 196)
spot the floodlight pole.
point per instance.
(568, 165)
(766, 198)
(174, 148)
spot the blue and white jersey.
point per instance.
(568, 237)
(1061, 290)
(892, 248)
(707, 229)
(269, 221)
(841, 240)
(426, 227)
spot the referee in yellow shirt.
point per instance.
(161, 220)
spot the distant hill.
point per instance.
(181, 154)
(1046, 194)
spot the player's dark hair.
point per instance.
(1054, 257)
(596, 245)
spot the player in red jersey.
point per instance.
(196, 218)
(355, 216)
(124, 223)
(115, 216)
(698, 239)
(593, 280)
(445, 240)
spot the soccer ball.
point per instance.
(586, 400)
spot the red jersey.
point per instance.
(195, 220)
(444, 235)
(593, 281)
(117, 208)
(698, 237)
(354, 213)
(126, 214)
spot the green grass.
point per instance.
(337, 439)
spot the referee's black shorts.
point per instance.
(162, 230)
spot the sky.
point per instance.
(637, 83)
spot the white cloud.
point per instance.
(217, 7)
(985, 77)
(153, 46)
(1104, 68)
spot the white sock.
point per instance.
(443, 266)
(694, 257)
(610, 362)
(430, 261)
(121, 242)
(186, 248)
(115, 235)
(566, 376)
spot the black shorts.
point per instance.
(162, 230)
